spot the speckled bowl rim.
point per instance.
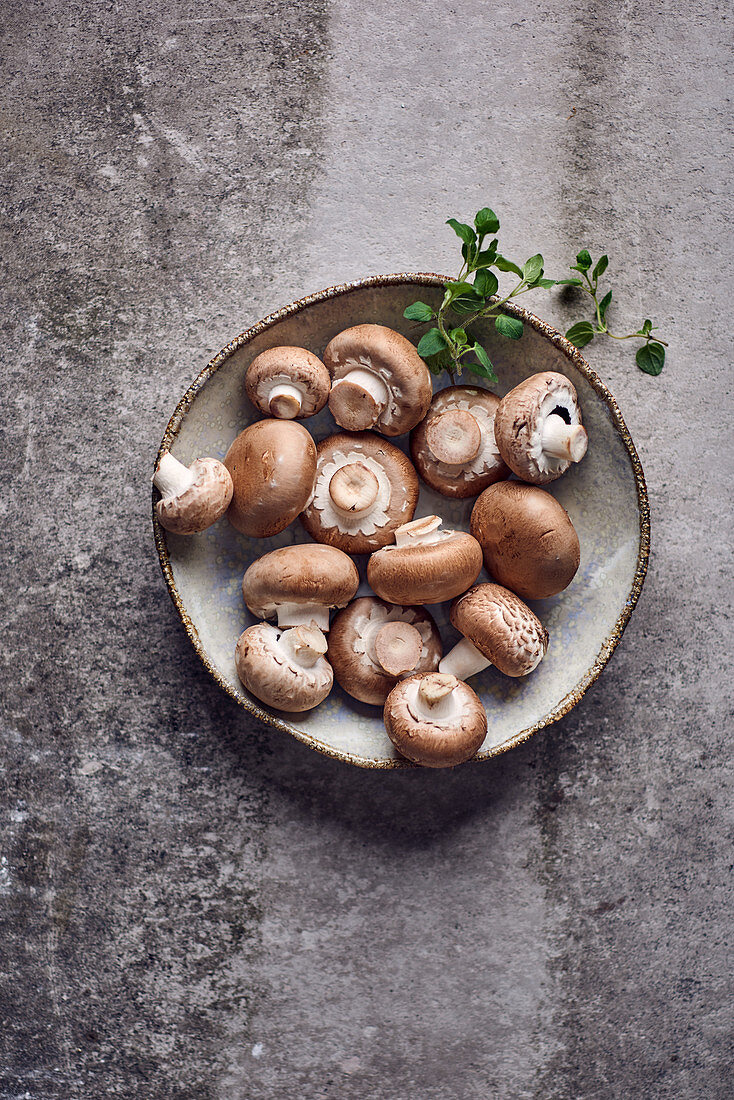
(571, 353)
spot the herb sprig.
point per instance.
(449, 346)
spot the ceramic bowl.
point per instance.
(604, 495)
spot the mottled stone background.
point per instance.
(195, 907)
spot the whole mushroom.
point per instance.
(529, 543)
(425, 564)
(453, 448)
(373, 644)
(192, 497)
(287, 382)
(299, 584)
(285, 669)
(365, 488)
(499, 629)
(378, 380)
(538, 428)
(273, 468)
(435, 720)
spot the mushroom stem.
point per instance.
(562, 440)
(353, 489)
(435, 700)
(172, 478)
(398, 647)
(285, 401)
(454, 437)
(358, 399)
(464, 660)
(299, 614)
(305, 644)
(418, 531)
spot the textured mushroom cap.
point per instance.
(395, 361)
(429, 572)
(271, 672)
(501, 627)
(301, 574)
(474, 475)
(398, 488)
(530, 545)
(352, 650)
(288, 366)
(273, 467)
(435, 742)
(202, 504)
(519, 420)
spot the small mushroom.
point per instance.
(499, 629)
(365, 488)
(425, 564)
(454, 448)
(299, 584)
(373, 644)
(538, 428)
(530, 545)
(273, 468)
(287, 383)
(192, 497)
(285, 669)
(435, 720)
(378, 380)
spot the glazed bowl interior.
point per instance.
(604, 496)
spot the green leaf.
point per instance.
(581, 334)
(486, 257)
(487, 370)
(601, 265)
(546, 283)
(651, 358)
(583, 260)
(508, 326)
(647, 327)
(431, 343)
(532, 269)
(485, 283)
(507, 265)
(464, 231)
(487, 221)
(604, 304)
(467, 303)
(419, 311)
(438, 363)
(458, 335)
(569, 282)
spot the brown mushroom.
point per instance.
(499, 629)
(299, 584)
(273, 468)
(435, 720)
(379, 380)
(425, 564)
(529, 543)
(373, 644)
(192, 497)
(538, 428)
(365, 488)
(285, 669)
(453, 448)
(287, 382)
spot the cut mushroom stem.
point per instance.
(298, 614)
(435, 700)
(172, 478)
(562, 440)
(353, 489)
(305, 644)
(418, 531)
(285, 401)
(358, 399)
(454, 437)
(398, 647)
(464, 660)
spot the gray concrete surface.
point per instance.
(191, 906)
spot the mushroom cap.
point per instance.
(428, 572)
(288, 366)
(202, 504)
(395, 483)
(529, 542)
(394, 360)
(471, 475)
(273, 467)
(271, 672)
(307, 574)
(501, 627)
(435, 742)
(354, 650)
(519, 421)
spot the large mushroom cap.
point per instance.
(373, 644)
(192, 498)
(501, 627)
(273, 468)
(379, 380)
(284, 669)
(538, 428)
(425, 564)
(454, 448)
(435, 720)
(530, 545)
(365, 489)
(287, 382)
(300, 583)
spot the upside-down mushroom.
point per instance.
(435, 720)
(287, 382)
(285, 669)
(192, 497)
(425, 564)
(538, 428)
(499, 629)
(299, 584)
(273, 468)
